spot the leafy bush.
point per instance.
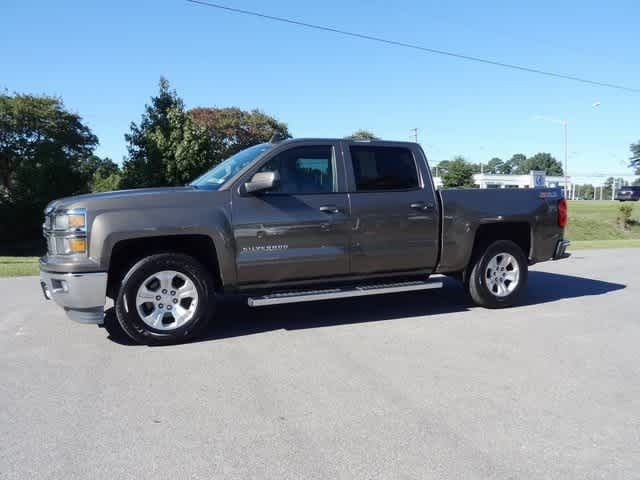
(624, 217)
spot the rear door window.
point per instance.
(383, 168)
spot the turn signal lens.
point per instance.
(69, 246)
(563, 213)
(76, 221)
(77, 245)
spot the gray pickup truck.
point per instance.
(291, 221)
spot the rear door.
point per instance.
(395, 216)
(301, 229)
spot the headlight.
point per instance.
(66, 231)
(72, 220)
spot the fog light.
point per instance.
(59, 285)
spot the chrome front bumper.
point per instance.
(82, 295)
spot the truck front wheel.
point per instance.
(165, 298)
(498, 275)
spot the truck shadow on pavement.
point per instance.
(237, 319)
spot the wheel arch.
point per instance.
(126, 252)
(519, 233)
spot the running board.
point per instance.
(332, 293)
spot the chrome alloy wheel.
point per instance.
(502, 274)
(167, 300)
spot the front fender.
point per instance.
(111, 227)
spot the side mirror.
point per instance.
(262, 182)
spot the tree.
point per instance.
(43, 148)
(610, 184)
(440, 169)
(459, 173)
(636, 182)
(150, 143)
(94, 165)
(477, 167)
(635, 156)
(229, 130)
(362, 135)
(586, 192)
(542, 161)
(172, 146)
(515, 165)
(494, 166)
(105, 182)
(105, 174)
(519, 164)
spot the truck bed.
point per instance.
(465, 211)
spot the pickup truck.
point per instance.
(294, 220)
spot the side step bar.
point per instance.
(332, 293)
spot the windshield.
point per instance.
(222, 172)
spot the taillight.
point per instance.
(563, 213)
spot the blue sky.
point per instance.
(105, 58)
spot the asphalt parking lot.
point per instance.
(416, 385)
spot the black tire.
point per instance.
(125, 304)
(476, 282)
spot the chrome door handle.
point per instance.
(422, 206)
(329, 209)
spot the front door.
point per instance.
(299, 230)
(394, 211)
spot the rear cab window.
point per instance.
(381, 168)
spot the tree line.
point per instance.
(47, 152)
(459, 172)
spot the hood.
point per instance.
(135, 198)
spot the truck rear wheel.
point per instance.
(165, 298)
(498, 275)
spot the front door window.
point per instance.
(304, 170)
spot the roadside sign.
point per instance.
(538, 178)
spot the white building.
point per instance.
(488, 180)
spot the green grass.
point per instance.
(597, 220)
(18, 266)
(624, 243)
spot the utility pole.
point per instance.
(415, 134)
(566, 182)
(564, 124)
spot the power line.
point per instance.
(414, 46)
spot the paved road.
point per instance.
(406, 386)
